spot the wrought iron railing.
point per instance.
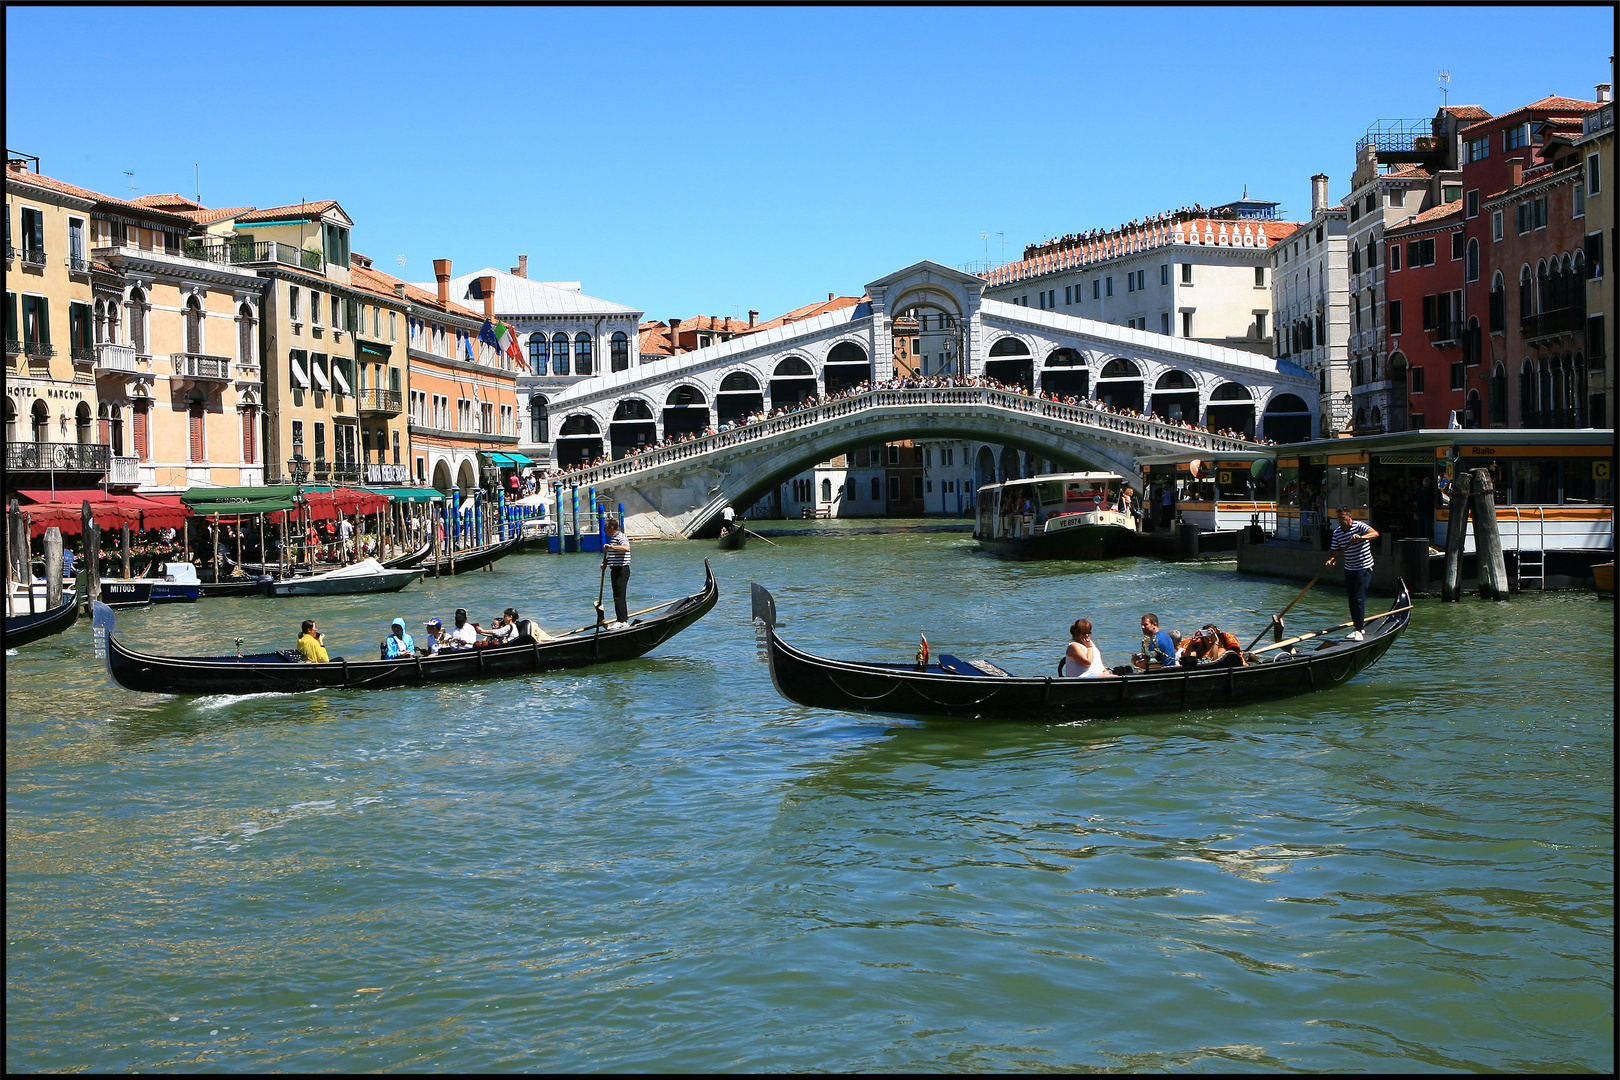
(42, 349)
(33, 256)
(13, 347)
(323, 472)
(379, 401)
(201, 365)
(113, 357)
(78, 264)
(85, 354)
(1565, 320)
(243, 252)
(57, 457)
(1101, 419)
(346, 473)
(1397, 136)
(1447, 333)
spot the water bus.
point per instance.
(1055, 516)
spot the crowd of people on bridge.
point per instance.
(537, 480)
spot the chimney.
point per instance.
(674, 336)
(486, 288)
(523, 266)
(1515, 172)
(752, 316)
(1603, 93)
(399, 289)
(829, 296)
(1319, 193)
(441, 270)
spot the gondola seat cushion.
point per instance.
(953, 666)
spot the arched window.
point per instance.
(559, 353)
(244, 335)
(1473, 260)
(1377, 416)
(685, 395)
(537, 354)
(101, 321)
(42, 421)
(1175, 380)
(1065, 358)
(877, 490)
(1498, 320)
(82, 425)
(1009, 346)
(1231, 392)
(137, 320)
(580, 424)
(582, 353)
(194, 325)
(739, 382)
(1543, 286)
(1471, 410)
(846, 352)
(1499, 395)
(632, 409)
(11, 421)
(104, 415)
(537, 409)
(792, 367)
(619, 350)
(826, 490)
(1121, 368)
(1526, 292)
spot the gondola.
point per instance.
(980, 690)
(733, 539)
(410, 559)
(467, 561)
(283, 672)
(31, 626)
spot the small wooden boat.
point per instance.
(733, 539)
(980, 690)
(466, 561)
(1603, 578)
(283, 671)
(365, 576)
(27, 626)
(1055, 516)
(410, 558)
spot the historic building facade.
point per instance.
(1596, 147)
(1310, 299)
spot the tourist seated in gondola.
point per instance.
(312, 644)
(465, 634)
(398, 643)
(504, 630)
(437, 639)
(1158, 651)
(1082, 659)
(1214, 647)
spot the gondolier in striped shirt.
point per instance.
(1354, 538)
(616, 553)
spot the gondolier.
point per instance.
(1354, 538)
(616, 556)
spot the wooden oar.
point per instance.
(751, 532)
(1318, 633)
(1278, 617)
(633, 614)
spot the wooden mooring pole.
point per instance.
(53, 568)
(1493, 579)
(1456, 536)
(92, 550)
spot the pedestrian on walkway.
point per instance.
(1354, 538)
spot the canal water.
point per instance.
(663, 865)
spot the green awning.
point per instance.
(383, 351)
(408, 494)
(240, 500)
(502, 458)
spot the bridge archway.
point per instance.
(985, 468)
(1011, 467)
(1175, 396)
(686, 411)
(739, 396)
(847, 366)
(792, 381)
(1231, 406)
(1288, 419)
(1120, 384)
(632, 426)
(578, 441)
(1065, 374)
(1010, 363)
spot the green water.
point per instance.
(663, 865)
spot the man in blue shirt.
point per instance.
(1354, 539)
(1158, 650)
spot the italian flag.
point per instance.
(507, 340)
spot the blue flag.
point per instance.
(487, 336)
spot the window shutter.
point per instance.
(11, 312)
(1428, 312)
(43, 307)
(1594, 255)
(196, 433)
(140, 432)
(247, 436)
(39, 231)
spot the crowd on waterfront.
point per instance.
(537, 479)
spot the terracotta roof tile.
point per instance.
(808, 311)
(1430, 218)
(51, 184)
(380, 284)
(208, 217)
(1468, 112)
(276, 213)
(171, 201)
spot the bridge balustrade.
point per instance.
(877, 399)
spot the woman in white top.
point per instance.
(1082, 659)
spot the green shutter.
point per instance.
(43, 306)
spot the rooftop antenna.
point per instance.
(131, 174)
(1445, 87)
(401, 260)
(196, 175)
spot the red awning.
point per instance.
(108, 515)
(139, 512)
(339, 502)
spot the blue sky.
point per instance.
(713, 160)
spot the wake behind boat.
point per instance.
(284, 672)
(365, 576)
(980, 690)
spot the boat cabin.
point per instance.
(1219, 494)
(1021, 508)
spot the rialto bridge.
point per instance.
(936, 322)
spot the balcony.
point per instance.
(348, 472)
(114, 359)
(388, 474)
(83, 354)
(124, 470)
(256, 252)
(13, 347)
(78, 264)
(202, 366)
(41, 350)
(1564, 320)
(379, 403)
(1446, 333)
(322, 472)
(33, 257)
(57, 457)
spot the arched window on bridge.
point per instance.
(559, 353)
(632, 426)
(792, 382)
(738, 397)
(985, 467)
(1175, 397)
(1120, 384)
(619, 350)
(578, 441)
(847, 367)
(1231, 408)
(1010, 363)
(1288, 420)
(686, 412)
(1065, 374)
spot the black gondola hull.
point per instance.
(23, 629)
(733, 540)
(901, 691)
(468, 561)
(276, 673)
